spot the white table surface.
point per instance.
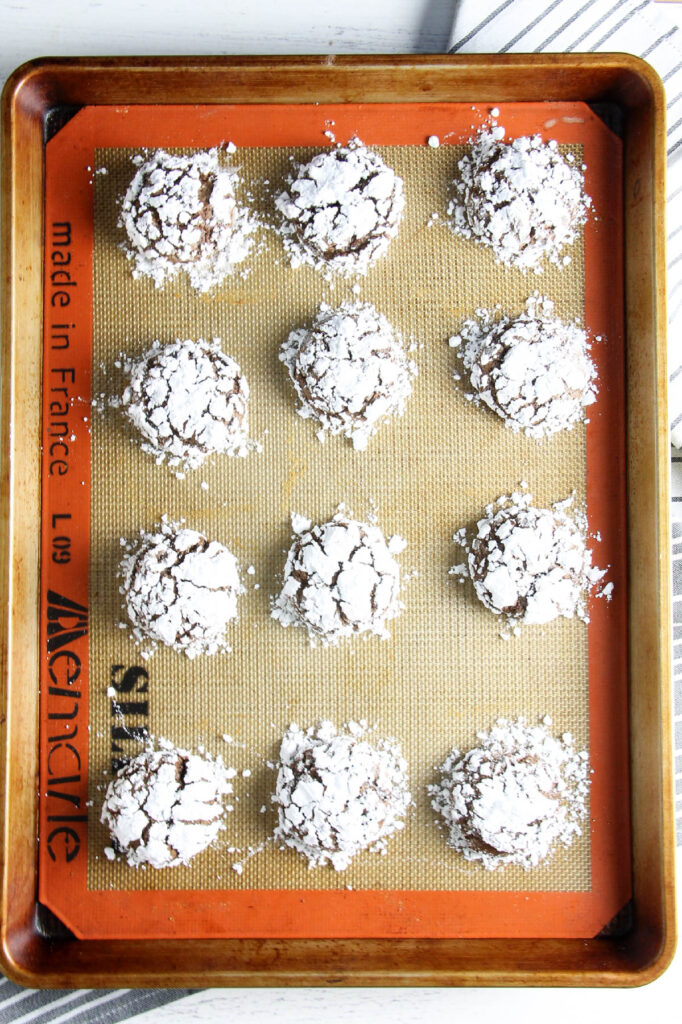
(32, 28)
(661, 1001)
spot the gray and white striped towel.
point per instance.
(633, 26)
(677, 671)
(651, 31)
(641, 27)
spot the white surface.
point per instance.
(440, 1006)
(658, 1001)
(73, 27)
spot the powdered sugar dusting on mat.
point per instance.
(532, 370)
(337, 794)
(165, 806)
(341, 210)
(340, 579)
(180, 213)
(528, 564)
(180, 590)
(522, 198)
(350, 371)
(515, 797)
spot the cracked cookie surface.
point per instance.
(180, 589)
(337, 794)
(180, 213)
(522, 198)
(528, 564)
(349, 370)
(534, 370)
(514, 797)
(187, 399)
(341, 210)
(165, 806)
(340, 579)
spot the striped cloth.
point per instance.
(677, 671)
(651, 31)
(88, 1006)
(630, 26)
(634, 26)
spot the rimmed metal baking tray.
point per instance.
(40, 96)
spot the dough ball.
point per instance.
(180, 589)
(165, 806)
(534, 371)
(515, 796)
(181, 213)
(350, 371)
(340, 579)
(187, 400)
(337, 794)
(524, 199)
(529, 564)
(341, 210)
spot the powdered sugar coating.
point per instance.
(165, 806)
(350, 371)
(341, 210)
(522, 198)
(532, 370)
(337, 794)
(515, 797)
(529, 564)
(188, 399)
(180, 213)
(180, 590)
(340, 579)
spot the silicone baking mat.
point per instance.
(445, 673)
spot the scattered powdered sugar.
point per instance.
(529, 564)
(188, 400)
(337, 794)
(341, 210)
(340, 579)
(515, 797)
(350, 371)
(165, 806)
(180, 589)
(299, 523)
(180, 213)
(522, 198)
(533, 370)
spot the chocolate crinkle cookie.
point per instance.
(534, 370)
(528, 564)
(524, 199)
(350, 371)
(340, 579)
(180, 213)
(515, 797)
(337, 794)
(187, 399)
(165, 806)
(180, 589)
(341, 210)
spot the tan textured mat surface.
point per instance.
(445, 673)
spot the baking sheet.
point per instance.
(445, 673)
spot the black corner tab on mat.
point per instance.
(620, 924)
(49, 926)
(612, 116)
(55, 118)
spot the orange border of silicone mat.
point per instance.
(310, 913)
